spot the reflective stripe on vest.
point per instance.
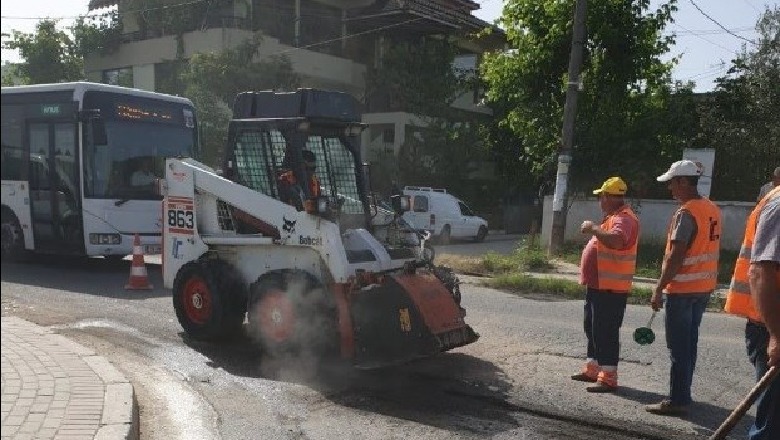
(738, 300)
(699, 270)
(616, 267)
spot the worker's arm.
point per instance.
(669, 267)
(615, 238)
(764, 266)
(766, 297)
(682, 235)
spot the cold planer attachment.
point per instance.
(406, 316)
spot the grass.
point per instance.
(522, 283)
(525, 258)
(509, 272)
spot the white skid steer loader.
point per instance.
(318, 271)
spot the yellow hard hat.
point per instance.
(614, 186)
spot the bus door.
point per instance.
(55, 201)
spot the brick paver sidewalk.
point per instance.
(53, 388)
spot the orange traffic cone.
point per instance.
(139, 280)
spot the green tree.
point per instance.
(212, 81)
(418, 76)
(624, 84)
(740, 119)
(50, 55)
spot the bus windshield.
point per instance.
(130, 161)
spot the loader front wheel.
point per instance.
(201, 300)
(289, 312)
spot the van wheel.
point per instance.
(11, 238)
(446, 236)
(481, 234)
(202, 300)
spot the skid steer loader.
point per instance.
(322, 273)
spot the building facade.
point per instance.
(331, 44)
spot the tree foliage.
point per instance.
(97, 34)
(740, 119)
(418, 76)
(212, 81)
(625, 89)
(50, 55)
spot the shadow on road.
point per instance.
(448, 391)
(705, 415)
(93, 276)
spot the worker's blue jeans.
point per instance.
(683, 317)
(604, 312)
(767, 423)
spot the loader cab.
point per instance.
(268, 134)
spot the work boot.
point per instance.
(667, 408)
(605, 383)
(589, 373)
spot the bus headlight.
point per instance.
(105, 239)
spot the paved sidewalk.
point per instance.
(53, 388)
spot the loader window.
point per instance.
(259, 156)
(336, 170)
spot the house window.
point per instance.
(388, 135)
(118, 77)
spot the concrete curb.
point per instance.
(119, 418)
(120, 407)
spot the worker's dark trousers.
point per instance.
(603, 317)
(767, 422)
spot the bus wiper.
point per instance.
(121, 202)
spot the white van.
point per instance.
(443, 214)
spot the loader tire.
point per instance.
(205, 297)
(12, 238)
(290, 313)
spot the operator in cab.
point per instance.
(289, 190)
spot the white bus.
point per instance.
(78, 165)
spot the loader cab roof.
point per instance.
(324, 106)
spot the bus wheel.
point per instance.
(201, 299)
(11, 238)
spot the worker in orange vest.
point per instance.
(688, 277)
(607, 269)
(291, 193)
(755, 294)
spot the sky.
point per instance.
(706, 50)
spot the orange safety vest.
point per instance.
(699, 270)
(314, 182)
(616, 267)
(738, 301)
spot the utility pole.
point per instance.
(567, 140)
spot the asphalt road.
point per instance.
(512, 383)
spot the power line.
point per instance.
(345, 37)
(711, 31)
(720, 25)
(707, 40)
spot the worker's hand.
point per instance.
(587, 227)
(657, 300)
(773, 352)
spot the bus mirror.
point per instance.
(99, 136)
